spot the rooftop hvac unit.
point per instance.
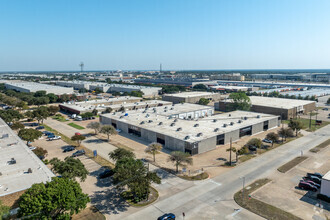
(214, 120)
(258, 116)
(165, 110)
(196, 125)
(142, 122)
(229, 115)
(186, 137)
(179, 129)
(160, 123)
(172, 108)
(121, 116)
(150, 121)
(216, 130)
(245, 118)
(175, 120)
(224, 125)
(172, 124)
(165, 107)
(199, 134)
(239, 121)
(231, 123)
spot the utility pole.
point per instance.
(81, 67)
(316, 117)
(230, 149)
(160, 68)
(310, 119)
(243, 189)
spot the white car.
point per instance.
(32, 148)
(54, 138)
(118, 130)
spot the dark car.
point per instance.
(315, 174)
(50, 136)
(307, 186)
(78, 153)
(313, 178)
(106, 173)
(40, 127)
(68, 149)
(46, 132)
(252, 148)
(166, 216)
(34, 124)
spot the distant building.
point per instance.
(233, 88)
(191, 97)
(229, 76)
(34, 87)
(287, 108)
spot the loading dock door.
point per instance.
(265, 125)
(161, 141)
(220, 139)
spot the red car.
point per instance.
(77, 133)
(307, 186)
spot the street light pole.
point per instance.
(243, 188)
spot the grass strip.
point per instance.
(306, 122)
(90, 213)
(289, 165)
(76, 126)
(320, 146)
(258, 207)
(98, 159)
(201, 176)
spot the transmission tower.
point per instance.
(81, 66)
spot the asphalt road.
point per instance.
(213, 199)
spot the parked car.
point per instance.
(325, 109)
(34, 124)
(41, 157)
(106, 173)
(78, 153)
(166, 216)
(313, 178)
(54, 138)
(253, 148)
(40, 127)
(313, 183)
(267, 141)
(77, 133)
(32, 148)
(307, 186)
(51, 135)
(68, 149)
(315, 174)
(46, 133)
(118, 130)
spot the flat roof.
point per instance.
(14, 177)
(32, 86)
(276, 102)
(190, 94)
(209, 126)
(327, 176)
(230, 87)
(109, 85)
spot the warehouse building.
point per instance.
(82, 107)
(191, 97)
(189, 128)
(287, 108)
(20, 168)
(99, 104)
(110, 88)
(34, 87)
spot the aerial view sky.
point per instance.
(39, 35)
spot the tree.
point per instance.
(87, 115)
(52, 97)
(153, 148)
(254, 142)
(122, 109)
(203, 101)
(285, 132)
(53, 109)
(78, 138)
(328, 101)
(40, 152)
(232, 149)
(97, 90)
(29, 134)
(94, 125)
(240, 102)
(107, 110)
(108, 130)
(82, 90)
(94, 112)
(58, 199)
(295, 125)
(41, 113)
(121, 153)
(41, 93)
(136, 93)
(272, 136)
(4, 210)
(10, 115)
(64, 98)
(135, 176)
(17, 126)
(69, 168)
(180, 158)
(200, 87)
(22, 105)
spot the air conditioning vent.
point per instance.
(231, 123)
(172, 124)
(179, 129)
(224, 125)
(258, 116)
(186, 137)
(239, 121)
(150, 121)
(229, 115)
(160, 123)
(245, 118)
(215, 120)
(199, 134)
(142, 122)
(196, 125)
(216, 130)
(175, 120)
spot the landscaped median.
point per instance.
(100, 160)
(76, 126)
(320, 146)
(258, 207)
(153, 196)
(289, 165)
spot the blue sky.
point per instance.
(180, 34)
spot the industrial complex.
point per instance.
(286, 108)
(34, 87)
(20, 168)
(109, 88)
(191, 97)
(188, 127)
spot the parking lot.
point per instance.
(283, 192)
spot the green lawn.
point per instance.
(76, 126)
(59, 118)
(306, 123)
